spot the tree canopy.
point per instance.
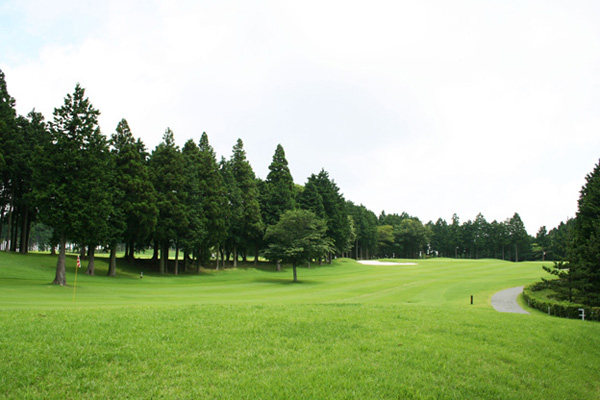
(299, 236)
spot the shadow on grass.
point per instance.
(285, 281)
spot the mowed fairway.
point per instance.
(346, 331)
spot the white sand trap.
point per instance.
(376, 262)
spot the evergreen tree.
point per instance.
(518, 236)
(235, 215)
(8, 151)
(31, 132)
(249, 231)
(584, 254)
(278, 193)
(135, 213)
(213, 198)
(195, 235)
(365, 224)
(322, 196)
(167, 175)
(67, 185)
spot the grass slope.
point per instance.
(346, 331)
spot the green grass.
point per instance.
(346, 331)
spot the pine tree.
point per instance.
(249, 231)
(235, 215)
(69, 187)
(195, 235)
(212, 197)
(134, 201)
(322, 196)
(278, 193)
(584, 254)
(8, 155)
(167, 175)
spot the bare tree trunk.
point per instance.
(516, 253)
(60, 278)
(218, 251)
(235, 256)
(112, 263)
(176, 259)
(256, 255)
(23, 247)
(91, 269)
(278, 265)
(15, 232)
(9, 226)
(156, 248)
(295, 275)
(164, 257)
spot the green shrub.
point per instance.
(539, 296)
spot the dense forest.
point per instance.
(64, 183)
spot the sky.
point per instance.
(425, 107)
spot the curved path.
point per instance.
(506, 301)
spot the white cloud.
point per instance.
(427, 107)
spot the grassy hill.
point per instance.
(345, 331)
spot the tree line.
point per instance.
(67, 180)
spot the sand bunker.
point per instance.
(376, 262)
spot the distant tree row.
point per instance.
(67, 182)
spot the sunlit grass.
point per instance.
(344, 331)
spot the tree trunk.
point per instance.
(28, 235)
(15, 232)
(176, 259)
(91, 269)
(131, 254)
(112, 263)
(278, 265)
(256, 255)
(9, 226)
(60, 278)
(164, 258)
(23, 247)
(516, 253)
(218, 252)
(295, 275)
(235, 256)
(155, 251)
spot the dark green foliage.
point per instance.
(247, 231)
(167, 175)
(517, 235)
(322, 196)
(299, 236)
(560, 240)
(135, 211)
(212, 197)
(277, 193)
(584, 254)
(365, 225)
(71, 176)
(9, 150)
(194, 236)
(533, 295)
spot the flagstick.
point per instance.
(75, 284)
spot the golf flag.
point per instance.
(75, 284)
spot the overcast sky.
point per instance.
(427, 107)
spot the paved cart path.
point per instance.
(506, 300)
